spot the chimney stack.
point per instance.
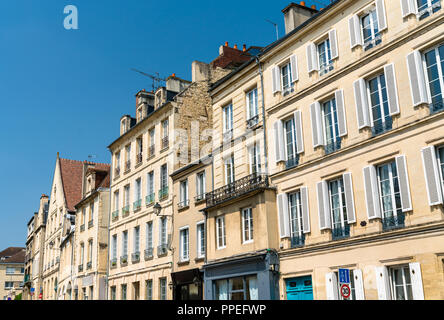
(296, 14)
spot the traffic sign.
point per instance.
(32, 290)
(345, 291)
(344, 276)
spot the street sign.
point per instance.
(344, 276)
(32, 290)
(345, 291)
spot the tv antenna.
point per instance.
(157, 80)
(276, 26)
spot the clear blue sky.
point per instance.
(65, 90)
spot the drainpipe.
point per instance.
(263, 115)
(109, 226)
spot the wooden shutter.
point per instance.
(418, 86)
(340, 107)
(382, 17)
(276, 76)
(305, 210)
(294, 68)
(432, 177)
(408, 7)
(354, 27)
(283, 215)
(332, 35)
(404, 186)
(392, 91)
(316, 124)
(331, 285)
(312, 59)
(323, 205)
(362, 108)
(279, 141)
(371, 193)
(416, 278)
(299, 132)
(349, 199)
(383, 283)
(359, 284)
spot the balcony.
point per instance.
(27, 278)
(297, 241)
(151, 151)
(183, 204)
(393, 222)
(427, 10)
(80, 267)
(149, 200)
(90, 224)
(162, 250)
(382, 127)
(253, 121)
(135, 257)
(292, 162)
(165, 142)
(228, 135)
(199, 198)
(128, 166)
(113, 263)
(149, 253)
(124, 260)
(82, 228)
(115, 215)
(125, 211)
(163, 193)
(139, 158)
(116, 172)
(238, 188)
(333, 146)
(324, 69)
(89, 265)
(137, 205)
(340, 233)
(288, 90)
(436, 107)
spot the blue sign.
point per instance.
(344, 276)
(32, 289)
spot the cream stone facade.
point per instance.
(12, 272)
(29, 258)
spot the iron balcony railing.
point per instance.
(184, 204)
(373, 42)
(297, 241)
(333, 146)
(199, 197)
(165, 142)
(426, 10)
(292, 162)
(162, 250)
(82, 228)
(382, 127)
(90, 224)
(393, 222)
(125, 211)
(339, 233)
(139, 158)
(115, 215)
(240, 187)
(137, 205)
(149, 253)
(89, 265)
(252, 121)
(324, 69)
(436, 107)
(128, 166)
(80, 267)
(113, 262)
(163, 193)
(135, 257)
(150, 199)
(228, 135)
(151, 151)
(124, 260)
(117, 172)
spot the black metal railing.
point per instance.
(237, 188)
(393, 222)
(162, 250)
(151, 151)
(165, 142)
(135, 257)
(253, 121)
(82, 228)
(184, 204)
(297, 241)
(339, 233)
(292, 162)
(90, 224)
(128, 166)
(372, 42)
(139, 158)
(333, 146)
(117, 172)
(436, 107)
(124, 260)
(199, 197)
(89, 265)
(149, 253)
(427, 10)
(381, 127)
(80, 267)
(113, 263)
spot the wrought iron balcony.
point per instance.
(113, 263)
(163, 193)
(238, 188)
(333, 146)
(137, 205)
(393, 222)
(165, 142)
(135, 257)
(115, 215)
(339, 233)
(117, 172)
(324, 69)
(373, 42)
(89, 265)
(151, 151)
(184, 204)
(139, 158)
(292, 162)
(382, 127)
(252, 121)
(125, 211)
(427, 10)
(150, 199)
(90, 224)
(199, 197)
(124, 260)
(436, 107)
(228, 135)
(128, 166)
(149, 253)
(162, 250)
(82, 228)
(80, 267)
(27, 278)
(297, 241)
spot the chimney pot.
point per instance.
(226, 43)
(174, 75)
(244, 47)
(303, 3)
(235, 46)
(313, 7)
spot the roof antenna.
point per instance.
(276, 26)
(157, 80)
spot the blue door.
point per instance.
(299, 288)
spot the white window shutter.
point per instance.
(362, 108)
(404, 186)
(382, 17)
(371, 193)
(316, 124)
(340, 107)
(279, 145)
(332, 35)
(276, 76)
(359, 284)
(312, 59)
(305, 210)
(354, 27)
(431, 173)
(418, 87)
(294, 68)
(331, 286)
(408, 7)
(383, 283)
(283, 215)
(416, 278)
(323, 205)
(299, 132)
(349, 199)
(392, 91)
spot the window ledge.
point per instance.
(183, 263)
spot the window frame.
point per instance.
(227, 125)
(247, 221)
(395, 210)
(328, 66)
(230, 174)
(184, 246)
(252, 104)
(370, 12)
(201, 239)
(404, 284)
(286, 66)
(298, 212)
(439, 67)
(255, 166)
(220, 225)
(333, 112)
(342, 202)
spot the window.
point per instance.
(201, 240)
(83, 216)
(114, 246)
(200, 186)
(150, 188)
(9, 285)
(241, 288)
(183, 194)
(116, 200)
(149, 289)
(123, 293)
(163, 231)
(325, 57)
(295, 209)
(127, 195)
(247, 225)
(286, 78)
(227, 119)
(10, 270)
(220, 232)
(82, 253)
(184, 244)
(91, 293)
(338, 209)
(252, 108)
(165, 130)
(163, 182)
(229, 170)
(401, 284)
(128, 157)
(136, 239)
(113, 293)
(139, 149)
(290, 143)
(434, 66)
(370, 29)
(117, 163)
(427, 7)
(255, 160)
(138, 194)
(124, 243)
(91, 212)
(163, 289)
(152, 142)
(331, 126)
(379, 108)
(440, 156)
(149, 235)
(90, 251)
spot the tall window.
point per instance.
(150, 186)
(247, 225)
(200, 185)
(165, 129)
(123, 292)
(390, 197)
(201, 240)
(220, 232)
(162, 289)
(229, 170)
(163, 231)
(91, 212)
(125, 243)
(83, 216)
(295, 206)
(136, 239)
(113, 293)
(331, 126)
(290, 142)
(114, 246)
(255, 159)
(227, 118)
(183, 193)
(370, 29)
(184, 244)
(380, 115)
(149, 235)
(338, 208)
(241, 288)
(128, 157)
(441, 165)
(127, 195)
(252, 108)
(138, 194)
(149, 289)
(434, 63)
(90, 250)
(164, 178)
(401, 284)
(117, 162)
(286, 78)
(116, 200)
(139, 149)
(152, 142)
(82, 253)
(325, 58)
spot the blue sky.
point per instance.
(65, 90)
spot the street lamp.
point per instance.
(157, 209)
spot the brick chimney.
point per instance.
(230, 57)
(296, 14)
